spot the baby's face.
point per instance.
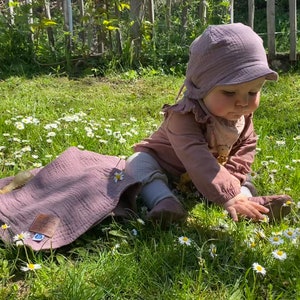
(233, 101)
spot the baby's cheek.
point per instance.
(222, 108)
(254, 104)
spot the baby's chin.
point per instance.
(232, 117)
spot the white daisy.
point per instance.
(290, 233)
(118, 176)
(21, 236)
(278, 254)
(30, 267)
(259, 269)
(213, 250)
(276, 240)
(184, 240)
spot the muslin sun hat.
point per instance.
(225, 55)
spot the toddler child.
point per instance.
(208, 135)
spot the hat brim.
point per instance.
(249, 73)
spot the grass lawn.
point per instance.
(209, 257)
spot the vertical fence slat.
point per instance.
(271, 28)
(11, 12)
(251, 10)
(231, 11)
(30, 17)
(293, 29)
(203, 11)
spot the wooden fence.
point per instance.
(271, 32)
(137, 15)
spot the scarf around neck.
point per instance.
(222, 134)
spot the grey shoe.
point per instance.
(167, 211)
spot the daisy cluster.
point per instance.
(268, 170)
(279, 240)
(30, 142)
(19, 240)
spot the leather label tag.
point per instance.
(45, 224)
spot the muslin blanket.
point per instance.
(71, 194)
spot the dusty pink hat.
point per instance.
(225, 55)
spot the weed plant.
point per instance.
(209, 257)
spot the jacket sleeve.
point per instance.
(212, 180)
(242, 154)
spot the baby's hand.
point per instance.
(240, 205)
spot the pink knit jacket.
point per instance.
(180, 145)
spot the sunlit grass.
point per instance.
(210, 257)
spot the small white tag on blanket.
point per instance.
(45, 224)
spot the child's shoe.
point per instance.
(277, 204)
(167, 211)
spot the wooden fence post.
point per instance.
(30, 18)
(203, 11)
(49, 28)
(293, 30)
(11, 12)
(151, 16)
(231, 11)
(68, 18)
(271, 28)
(136, 16)
(251, 10)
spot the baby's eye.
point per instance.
(253, 93)
(228, 93)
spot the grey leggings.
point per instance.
(144, 168)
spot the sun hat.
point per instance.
(225, 55)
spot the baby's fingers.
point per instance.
(259, 207)
(231, 210)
